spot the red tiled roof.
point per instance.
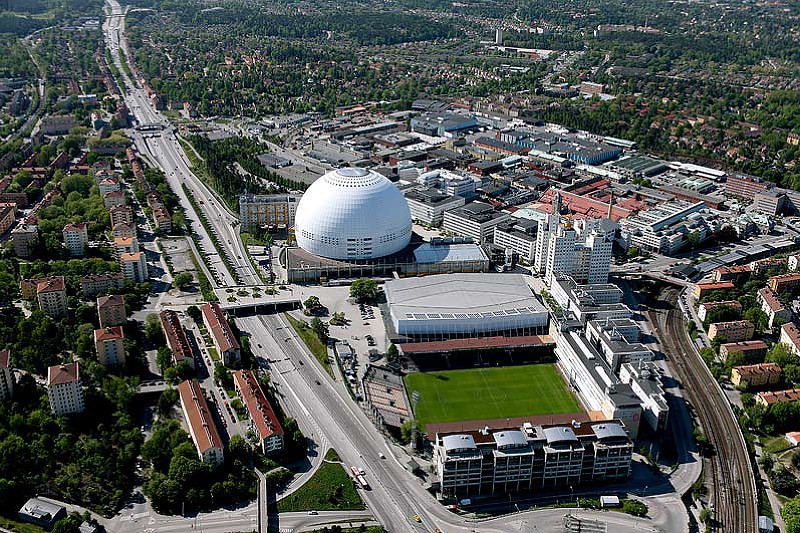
(177, 341)
(58, 374)
(108, 334)
(51, 284)
(760, 368)
(204, 429)
(789, 395)
(771, 299)
(258, 406)
(219, 327)
(112, 300)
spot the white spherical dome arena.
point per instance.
(352, 213)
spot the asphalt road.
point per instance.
(162, 147)
(324, 412)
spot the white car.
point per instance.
(380, 454)
(311, 513)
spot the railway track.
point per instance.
(730, 476)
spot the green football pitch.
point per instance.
(483, 393)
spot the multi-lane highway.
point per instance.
(156, 140)
(324, 412)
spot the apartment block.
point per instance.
(96, 284)
(475, 219)
(222, 336)
(790, 335)
(733, 331)
(773, 307)
(122, 231)
(134, 266)
(259, 210)
(768, 398)
(51, 294)
(76, 239)
(176, 338)
(111, 310)
(703, 289)
(109, 343)
(429, 205)
(530, 457)
(750, 350)
(64, 389)
(262, 417)
(645, 381)
(784, 283)
(759, 375)
(125, 245)
(202, 427)
(518, 236)
(25, 237)
(704, 308)
(121, 214)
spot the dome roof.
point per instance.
(352, 213)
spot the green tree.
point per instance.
(364, 290)
(781, 354)
(194, 313)
(163, 358)
(183, 280)
(222, 375)
(392, 353)
(758, 317)
(313, 305)
(320, 328)
(166, 401)
(152, 329)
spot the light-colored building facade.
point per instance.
(475, 219)
(111, 310)
(733, 331)
(531, 457)
(64, 389)
(429, 205)
(25, 237)
(76, 239)
(125, 245)
(109, 343)
(759, 375)
(518, 236)
(773, 307)
(790, 335)
(96, 284)
(260, 210)
(134, 266)
(645, 381)
(51, 294)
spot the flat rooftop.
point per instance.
(496, 294)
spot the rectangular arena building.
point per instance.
(454, 306)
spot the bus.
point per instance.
(358, 475)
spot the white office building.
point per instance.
(475, 219)
(64, 389)
(429, 205)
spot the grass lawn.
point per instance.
(21, 527)
(316, 346)
(482, 393)
(775, 445)
(330, 489)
